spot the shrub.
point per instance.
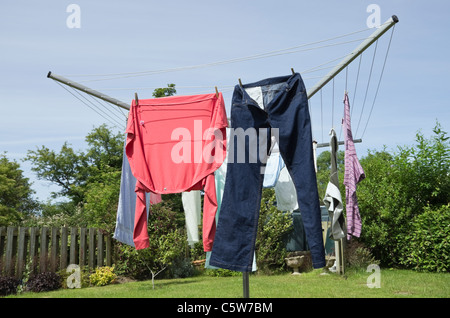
(8, 285)
(44, 282)
(358, 256)
(220, 272)
(273, 227)
(84, 277)
(427, 246)
(396, 191)
(103, 276)
(167, 248)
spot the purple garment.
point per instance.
(354, 173)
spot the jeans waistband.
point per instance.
(240, 96)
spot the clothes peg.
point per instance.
(293, 72)
(217, 92)
(136, 98)
(240, 83)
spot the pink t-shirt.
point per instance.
(174, 144)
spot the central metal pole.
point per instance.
(246, 285)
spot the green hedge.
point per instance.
(427, 246)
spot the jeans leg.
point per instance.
(235, 236)
(292, 119)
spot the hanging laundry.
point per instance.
(285, 192)
(127, 204)
(315, 155)
(273, 167)
(282, 103)
(174, 144)
(220, 176)
(354, 173)
(333, 200)
(277, 176)
(192, 205)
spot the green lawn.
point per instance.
(394, 284)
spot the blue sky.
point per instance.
(135, 36)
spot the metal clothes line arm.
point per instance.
(354, 54)
(326, 144)
(88, 90)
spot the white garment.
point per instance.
(285, 192)
(273, 167)
(192, 205)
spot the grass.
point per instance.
(394, 284)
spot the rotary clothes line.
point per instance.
(350, 57)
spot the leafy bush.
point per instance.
(8, 285)
(273, 226)
(167, 247)
(103, 276)
(84, 277)
(358, 256)
(220, 272)
(44, 282)
(397, 189)
(427, 245)
(180, 268)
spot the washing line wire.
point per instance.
(261, 55)
(113, 122)
(176, 69)
(379, 81)
(117, 110)
(321, 113)
(367, 87)
(227, 88)
(108, 111)
(356, 83)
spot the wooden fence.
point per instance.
(52, 249)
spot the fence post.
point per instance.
(2, 247)
(91, 248)
(63, 251)
(21, 253)
(10, 250)
(73, 245)
(82, 259)
(54, 249)
(99, 248)
(33, 249)
(108, 250)
(43, 250)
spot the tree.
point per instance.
(165, 91)
(16, 195)
(73, 170)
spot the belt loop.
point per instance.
(243, 93)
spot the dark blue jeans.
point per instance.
(257, 109)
